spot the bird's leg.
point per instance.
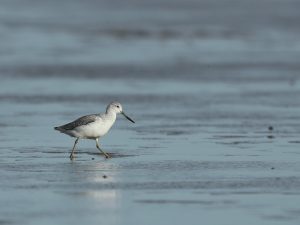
(73, 150)
(97, 145)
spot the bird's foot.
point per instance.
(72, 157)
(107, 156)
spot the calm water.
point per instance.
(212, 85)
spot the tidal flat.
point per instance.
(215, 100)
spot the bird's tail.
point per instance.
(58, 128)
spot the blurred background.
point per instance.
(189, 39)
(212, 84)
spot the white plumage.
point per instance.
(93, 126)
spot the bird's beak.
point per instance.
(127, 117)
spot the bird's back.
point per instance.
(70, 128)
(84, 120)
(90, 126)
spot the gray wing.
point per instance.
(79, 122)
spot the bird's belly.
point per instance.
(93, 130)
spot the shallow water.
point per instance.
(214, 97)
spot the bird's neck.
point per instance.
(111, 114)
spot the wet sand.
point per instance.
(216, 139)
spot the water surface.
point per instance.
(212, 86)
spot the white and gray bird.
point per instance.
(93, 126)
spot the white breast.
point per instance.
(95, 129)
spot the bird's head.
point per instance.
(117, 108)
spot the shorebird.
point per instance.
(93, 126)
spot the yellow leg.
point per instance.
(73, 150)
(97, 145)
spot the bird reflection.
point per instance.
(100, 174)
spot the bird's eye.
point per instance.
(118, 106)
